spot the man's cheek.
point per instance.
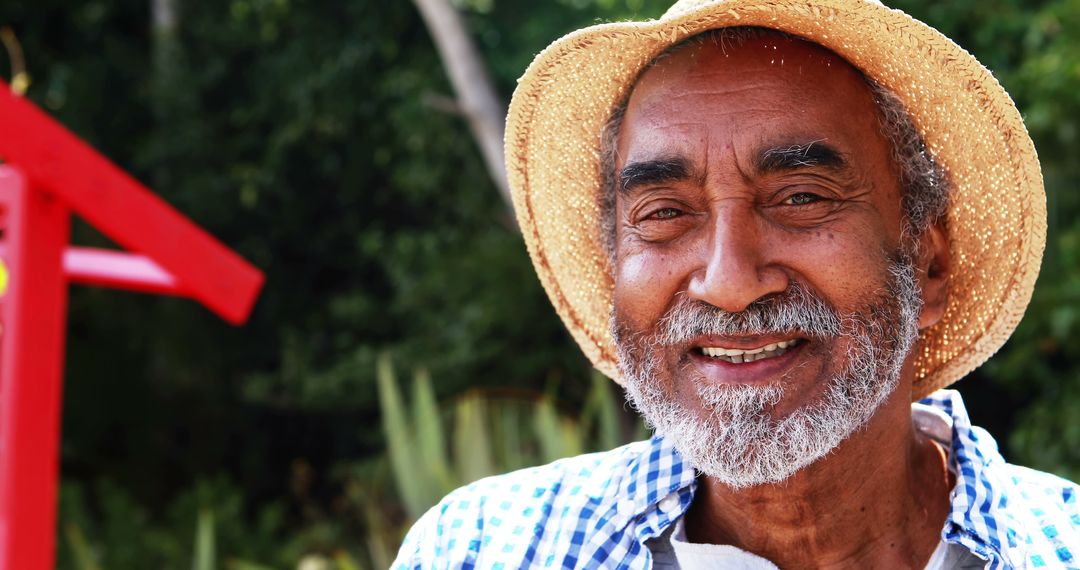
(646, 284)
(845, 269)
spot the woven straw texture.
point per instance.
(997, 217)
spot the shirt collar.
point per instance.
(978, 518)
(657, 473)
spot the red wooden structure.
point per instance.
(48, 174)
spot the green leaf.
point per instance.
(559, 437)
(80, 548)
(408, 474)
(431, 445)
(472, 446)
(511, 443)
(245, 565)
(204, 541)
(345, 561)
(602, 413)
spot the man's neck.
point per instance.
(879, 500)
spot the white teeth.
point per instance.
(740, 356)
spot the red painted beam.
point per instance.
(32, 312)
(56, 161)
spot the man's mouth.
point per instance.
(744, 355)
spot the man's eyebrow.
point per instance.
(800, 155)
(649, 172)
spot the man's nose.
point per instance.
(736, 270)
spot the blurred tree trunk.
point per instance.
(164, 23)
(163, 13)
(476, 96)
(171, 101)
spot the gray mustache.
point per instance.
(796, 310)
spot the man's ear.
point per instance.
(933, 269)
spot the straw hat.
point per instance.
(997, 217)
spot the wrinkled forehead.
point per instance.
(744, 58)
(767, 86)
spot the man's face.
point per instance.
(762, 303)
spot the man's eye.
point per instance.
(802, 199)
(665, 214)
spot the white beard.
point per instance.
(740, 443)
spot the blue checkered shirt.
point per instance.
(597, 510)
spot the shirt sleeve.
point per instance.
(418, 549)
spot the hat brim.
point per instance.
(997, 216)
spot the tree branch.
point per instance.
(477, 100)
(20, 79)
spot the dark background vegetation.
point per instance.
(307, 135)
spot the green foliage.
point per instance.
(81, 552)
(204, 541)
(203, 529)
(414, 440)
(301, 135)
(491, 433)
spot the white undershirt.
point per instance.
(693, 556)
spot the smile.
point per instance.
(744, 355)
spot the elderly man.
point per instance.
(778, 223)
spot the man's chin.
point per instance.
(741, 442)
(758, 463)
(749, 450)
